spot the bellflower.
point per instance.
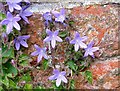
(78, 41)
(53, 37)
(11, 22)
(48, 17)
(24, 14)
(21, 40)
(59, 77)
(89, 50)
(41, 52)
(13, 4)
(59, 16)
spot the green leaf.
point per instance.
(88, 75)
(71, 23)
(5, 81)
(72, 65)
(9, 70)
(2, 16)
(63, 34)
(7, 53)
(28, 86)
(72, 84)
(12, 84)
(23, 60)
(45, 64)
(26, 77)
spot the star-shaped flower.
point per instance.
(59, 16)
(53, 37)
(21, 40)
(13, 4)
(48, 17)
(58, 76)
(78, 41)
(90, 50)
(24, 14)
(11, 22)
(41, 52)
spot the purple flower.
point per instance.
(21, 40)
(58, 76)
(48, 17)
(60, 16)
(5, 37)
(11, 22)
(53, 37)
(89, 50)
(78, 41)
(41, 52)
(13, 4)
(24, 14)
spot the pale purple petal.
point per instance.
(4, 22)
(53, 77)
(27, 13)
(86, 54)
(91, 44)
(39, 58)
(25, 19)
(94, 49)
(16, 25)
(58, 39)
(17, 1)
(23, 43)
(63, 79)
(47, 39)
(56, 13)
(45, 56)
(11, 8)
(48, 32)
(37, 47)
(63, 73)
(27, 1)
(9, 27)
(56, 32)
(34, 53)
(73, 41)
(76, 46)
(17, 7)
(53, 43)
(62, 11)
(9, 16)
(58, 82)
(25, 37)
(82, 45)
(16, 18)
(84, 38)
(77, 35)
(17, 45)
(55, 71)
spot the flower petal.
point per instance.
(53, 77)
(77, 35)
(11, 8)
(62, 11)
(47, 39)
(91, 44)
(37, 47)
(9, 16)
(17, 45)
(4, 22)
(25, 19)
(45, 56)
(16, 25)
(53, 43)
(27, 13)
(56, 32)
(35, 53)
(9, 27)
(84, 38)
(58, 82)
(55, 71)
(23, 43)
(25, 37)
(94, 49)
(17, 7)
(39, 58)
(86, 54)
(76, 46)
(82, 45)
(58, 39)
(16, 18)
(63, 73)
(63, 79)
(48, 32)
(73, 41)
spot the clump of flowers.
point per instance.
(53, 36)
